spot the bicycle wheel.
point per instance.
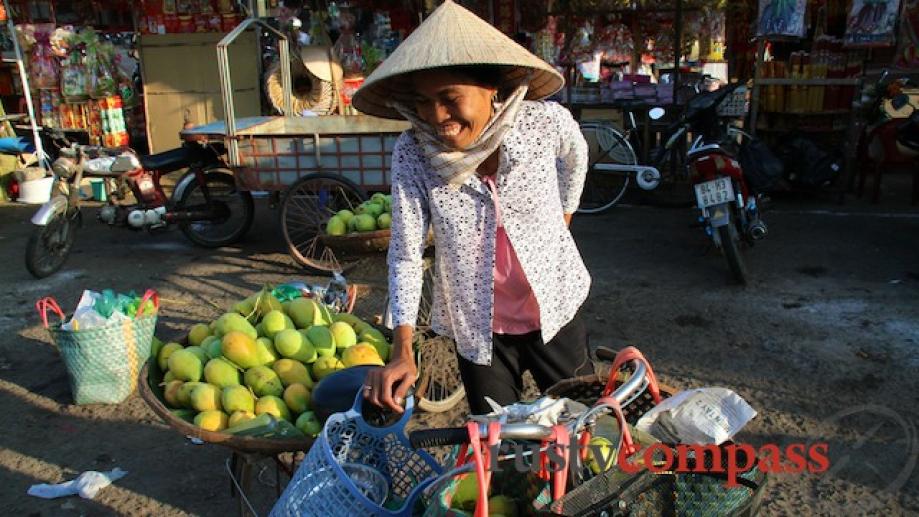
(440, 387)
(307, 206)
(603, 189)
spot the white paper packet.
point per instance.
(702, 416)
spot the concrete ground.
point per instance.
(822, 343)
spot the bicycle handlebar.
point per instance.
(531, 432)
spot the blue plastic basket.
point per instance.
(348, 444)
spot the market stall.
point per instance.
(816, 64)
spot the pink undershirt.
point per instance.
(515, 307)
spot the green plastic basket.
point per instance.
(103, 362)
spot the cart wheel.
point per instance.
(307, 205)
(442, 385)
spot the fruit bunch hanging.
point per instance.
(253, 368)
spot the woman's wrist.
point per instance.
(402, 343)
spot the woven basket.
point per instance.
(321, 97)
(151, 391)
(358, 243)
(587, 389)
(102, 362)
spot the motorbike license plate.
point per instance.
(714, 192)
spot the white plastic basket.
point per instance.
(35, 192)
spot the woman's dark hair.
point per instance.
(491, 76)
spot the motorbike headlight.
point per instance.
(64, 167)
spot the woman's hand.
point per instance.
(388, 385)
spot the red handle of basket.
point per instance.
(352, 297)
(628, 444)
(42, 307)
(148, 295)
(492, 441)
(630, 353)
(481, 506)
(560, 476)
(583, 442)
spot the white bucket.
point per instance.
(35, 192)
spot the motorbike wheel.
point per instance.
(50, 245)
(602, 190)
(221, 188)
(729, 245)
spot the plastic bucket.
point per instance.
(35, 192)
(98, 187)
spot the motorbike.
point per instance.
(891, 135)
(205, 204)
(729, 210)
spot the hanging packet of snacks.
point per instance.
(74, 79)
(60, 40)
(615, 40)
(545, 46)
(347, 48)
(99, 67)
(318, 34)
(125, 66)
(43, 65)
(586, 56)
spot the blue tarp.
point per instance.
(16, 145)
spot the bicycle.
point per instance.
(439, 387)
(614, 161)
(614, 157)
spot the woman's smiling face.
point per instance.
(456, 106)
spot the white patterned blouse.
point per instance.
(541, 172)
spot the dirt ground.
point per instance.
(823, 343)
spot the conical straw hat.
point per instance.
(452, 36)
(321, 62)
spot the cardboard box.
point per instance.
(181, 80)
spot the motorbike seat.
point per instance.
(169, 161)
(908, 133)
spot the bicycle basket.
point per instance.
(666, 493)
(341, 474)
(588, 389)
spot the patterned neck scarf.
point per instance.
(454, 166)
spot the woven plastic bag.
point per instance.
(103, 362)
(350, 457)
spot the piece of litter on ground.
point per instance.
(87, 485)
(196, 441)
(895, 281)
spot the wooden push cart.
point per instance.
(316, 165)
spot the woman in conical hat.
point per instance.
(497, 173)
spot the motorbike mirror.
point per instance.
(657, 113)
(900, 101)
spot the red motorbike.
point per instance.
(729, 211)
